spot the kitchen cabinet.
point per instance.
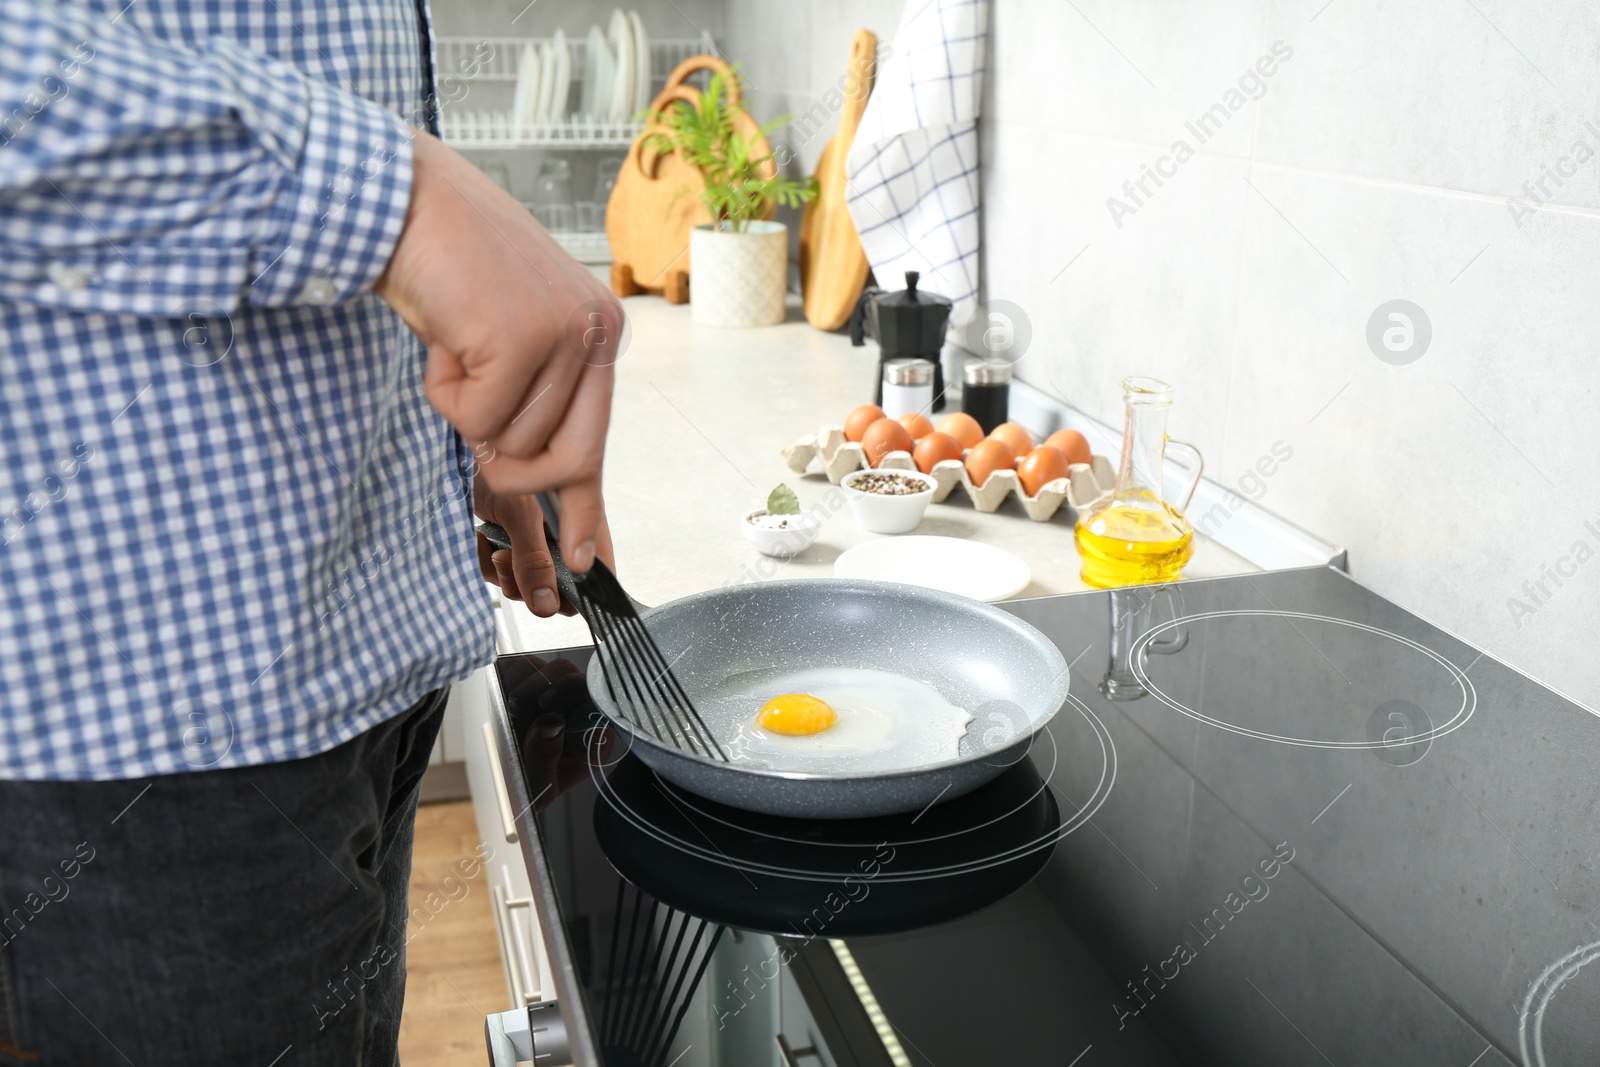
(522, 947)
(451, 746)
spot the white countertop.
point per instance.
(699, 419)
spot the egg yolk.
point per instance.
(796, 715)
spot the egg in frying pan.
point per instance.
(846, 721)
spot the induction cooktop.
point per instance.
(1280, 820)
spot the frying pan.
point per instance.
(1001, 670)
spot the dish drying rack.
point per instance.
(482, 117)
(472, 122)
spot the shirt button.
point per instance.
(318, 292)
(68, 279)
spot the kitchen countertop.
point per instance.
(699, 418)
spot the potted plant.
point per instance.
(740, 260)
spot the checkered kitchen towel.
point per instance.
(913, 167)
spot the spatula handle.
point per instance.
(497, 536)
(566, 580)
(601, 586)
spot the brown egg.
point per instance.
(936, 447)
(987, 457)
(856, 423)
(963, 427)
(883, 437)
(917, 425)
(1017, 439)
(1041, 466)
(1071, 444)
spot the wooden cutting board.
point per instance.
(833, 267)
(656, 200)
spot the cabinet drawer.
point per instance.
(522, 947)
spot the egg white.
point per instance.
(884, 722)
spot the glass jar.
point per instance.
(552, 196)
(1134, 536)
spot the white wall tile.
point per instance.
(1154, 296)
(1132, 71)
(1385, 150)
(772, 46)
(793, 54)
(1434, 474)
(1437, 93)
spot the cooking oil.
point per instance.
(1129, 544)
(1132, 536)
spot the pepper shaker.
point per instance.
(986, 392)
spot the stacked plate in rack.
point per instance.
(544, 82)
(614, 83)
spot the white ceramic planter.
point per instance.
(739, 279)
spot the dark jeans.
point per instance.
(253, 916)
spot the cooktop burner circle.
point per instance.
(719, 818)
(1141, 661)
(1530, 1021)
(753, 822)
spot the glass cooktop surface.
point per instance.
(1279, 820)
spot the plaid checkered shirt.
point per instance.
(234, 532)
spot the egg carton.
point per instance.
(1084, 485)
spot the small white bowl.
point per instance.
(794, 538)
(883, 513)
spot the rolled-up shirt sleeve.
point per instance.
(145, 179)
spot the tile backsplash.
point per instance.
(1230, 194)
(1224, 193)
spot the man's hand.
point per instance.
(520, 336)
(527, 572)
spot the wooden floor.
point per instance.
(453, 973)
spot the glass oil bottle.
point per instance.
(1133, 536)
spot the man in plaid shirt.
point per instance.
(266, 346)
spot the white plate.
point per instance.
(641, 63)
(605, 74)
(591, 70)
(526, 96)
(953, 564)
(622, 87)
(547, 82)
(555, 109)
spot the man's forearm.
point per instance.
(141, 178)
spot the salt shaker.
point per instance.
(907, 387)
